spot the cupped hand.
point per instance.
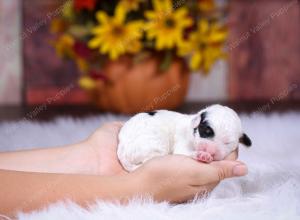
(173, 178)
(103, 145)
(177, 178)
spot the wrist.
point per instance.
(129, 186)
(87, 158)
(141, 183)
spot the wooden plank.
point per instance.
(264, 48)
(45, 73)
(10, 48)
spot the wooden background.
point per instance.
(45, 74)
(264, 48)
(10, 50)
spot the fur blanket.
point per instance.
(271, 190)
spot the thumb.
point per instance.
(226, 169)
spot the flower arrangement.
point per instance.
(92, 32)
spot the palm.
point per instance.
(105, 141)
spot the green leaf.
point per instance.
(79, 31)
(167, 60)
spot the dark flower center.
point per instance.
(170, 23)
(202, 46)
(117, 30)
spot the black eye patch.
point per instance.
(205, 131)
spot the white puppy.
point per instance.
(209, 135)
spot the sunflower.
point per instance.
(166, 25)
(205, 45)
(130, 5)
(115, 37)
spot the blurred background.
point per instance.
(127, 56)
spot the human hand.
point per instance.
(103, 145)
(177, 178)
(162, 177)
(94, 156)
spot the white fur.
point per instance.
(269, 192)
(145, 136)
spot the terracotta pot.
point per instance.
(140, 86)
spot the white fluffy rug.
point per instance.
(271, 190)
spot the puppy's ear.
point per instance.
(199, 118)
(244, 139)
(196, 121)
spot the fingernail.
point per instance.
(240, 170)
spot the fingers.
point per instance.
(233, 155)
(218, 171)
(117, 125)
(226, 169)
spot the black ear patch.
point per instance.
(203, 117)
(152, 113)
(244, 139)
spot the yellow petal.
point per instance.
(82, 65)
(129, 5)
(180, 12)
(160, 42)
(150, 15)
(102, 17)
(99, 30)
(203, 26)
(196, 60)
(184, 48)
(113, 55)
(134, 47)
(94, 43)
(168, 43)
(162, 5)
(207, 65)
(68, 39)
(86, 82)
(104, 48)
(120, 14)
(168, 6)
(150, 33)
(218, 36)
(136, 28)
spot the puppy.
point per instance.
(209, 135)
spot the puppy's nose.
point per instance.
(210, 148)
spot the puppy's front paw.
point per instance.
(204, 157)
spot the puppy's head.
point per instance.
(218, 130)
